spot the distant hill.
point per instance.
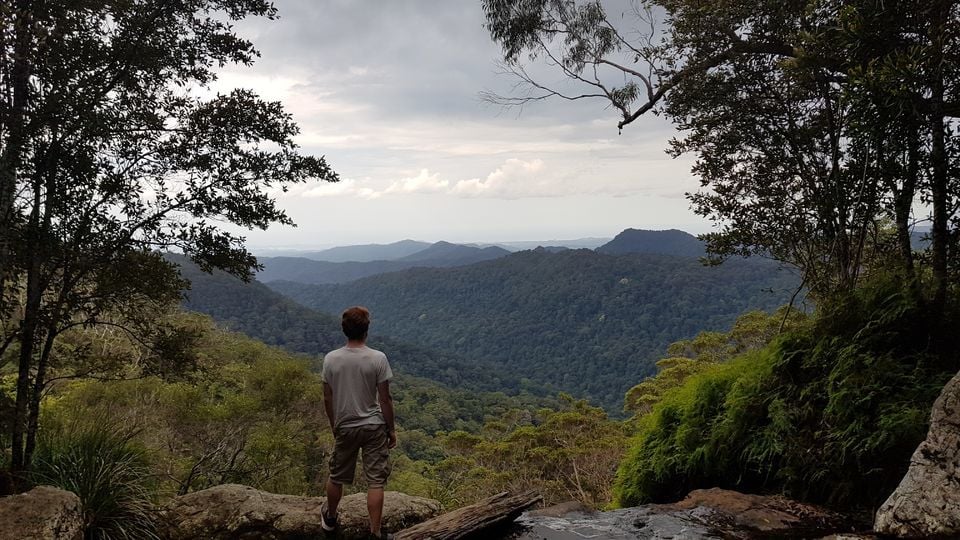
(669, 242)
(455, 253)
(577, 243)
(440, 254)
(367, 252)
(255, 310)
(589, 323)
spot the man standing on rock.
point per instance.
(356, 396)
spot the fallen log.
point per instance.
(490, 512)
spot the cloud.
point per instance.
(404, 127)
(422, 183)
(514, 179)
(347, 187)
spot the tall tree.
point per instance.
(121, 159)
(813, 121)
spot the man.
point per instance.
(356, 396)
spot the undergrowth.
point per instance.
(828, 413)
(109, 474)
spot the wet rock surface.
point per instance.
(712, 513)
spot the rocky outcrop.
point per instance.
(761, 514)
(43, 513)
(237, 512)
(709, 513)
(927, 501)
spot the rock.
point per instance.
(773, 514)
(709, 513)
(237, 512)
(560, 510)
(44, 512)
(927, 501)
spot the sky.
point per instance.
(389, 93)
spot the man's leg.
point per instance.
(334, 493)
(375, 509)
(376, 468)
(343, 463)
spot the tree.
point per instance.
(812, 121)
(112, 158)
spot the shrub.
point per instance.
(107, 472)
(828, 413)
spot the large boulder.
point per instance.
(43, 513)
(927, 501)
(236, 512)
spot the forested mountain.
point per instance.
(367, 252)
(576, 243)
(669, 242)
(255, 310)
(588, 323)
(440, 254)
(456, 253)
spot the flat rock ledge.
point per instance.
(926, 504)
(233, 511)
(706, 513)
(43, 513)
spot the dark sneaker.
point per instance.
(328, 522)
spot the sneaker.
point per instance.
(328, 522)
(383, 536)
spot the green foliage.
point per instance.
(751, 331)
(811, 122)
(578, 321)
(107, 470)
(828, 413)
(249, 414)
(568, 453)
(111, 154)
(266, 315)
(253, 414)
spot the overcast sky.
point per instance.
(388, 92)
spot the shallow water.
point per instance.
(629, 523)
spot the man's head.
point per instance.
(355, 323)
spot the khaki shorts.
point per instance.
(373, 440)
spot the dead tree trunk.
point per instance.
(490, 512)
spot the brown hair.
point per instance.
(356, 321)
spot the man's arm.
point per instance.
(386, 405)
(328, 405)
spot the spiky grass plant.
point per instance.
(108, 472)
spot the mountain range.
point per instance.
(445, 254)
(591, 323)
(588, 323)
(669, 242)
(255, 310)
(364, 252)
(440, 254)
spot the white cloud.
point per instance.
(347, 187)
(422, 183)
(514, 179)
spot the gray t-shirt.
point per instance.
(353, 374)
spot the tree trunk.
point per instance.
(903, 204)
(938, 158)
(11, 157)
(39, 382)
(28, 334)
(490, 512)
